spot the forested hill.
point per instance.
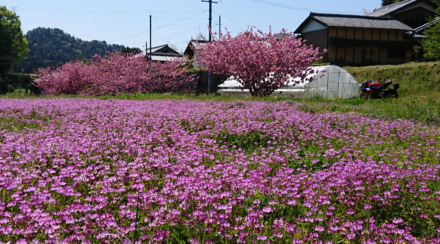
(52, 47)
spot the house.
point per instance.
(189, 51)
(358, 40)
(385, 36)
(162, 53)
(414, 13)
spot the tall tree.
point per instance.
(13, 45)
(388, 2)
(431, 43)
(261, 62)
(134, 50)
(53, 47)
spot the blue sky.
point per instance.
(174, 22)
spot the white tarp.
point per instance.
(328, 81)
(332, 82)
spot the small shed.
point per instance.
(189, 52)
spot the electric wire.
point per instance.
(285, 6)
(158, 28)
(227, 15)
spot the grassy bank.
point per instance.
(419, 94)
(416, 79)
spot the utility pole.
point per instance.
(210, 29)
(150, 37)
(219, 24)
(210, 16)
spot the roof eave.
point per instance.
(306, 21)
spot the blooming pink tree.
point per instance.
(113, 74)
(261, 62)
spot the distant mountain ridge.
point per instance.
(53, 47)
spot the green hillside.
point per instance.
(52, 47)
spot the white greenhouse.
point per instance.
(328, 81)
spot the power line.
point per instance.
(227, 15)
(284, 6)
(133, 35)
(158, 28)
(178, 20)
(281, 5)
(100, 11)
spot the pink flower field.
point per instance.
(164, 171)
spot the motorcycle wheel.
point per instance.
(364, 96)
(390, 94)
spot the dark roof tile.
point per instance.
(388, 9)
(356, 21)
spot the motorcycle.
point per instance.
(374, 90)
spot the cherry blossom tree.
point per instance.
(116, 73)
(261, 62)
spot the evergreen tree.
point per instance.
(388, 2)
(13, 45)
(431, 44)
(53, 47)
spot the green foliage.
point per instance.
(431, 44)
(13, 45)
(249, 142)
(130, 50)
(388, 2)
(52, 47)
(14, 81)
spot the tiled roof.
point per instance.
(357, 21)
(155, 49)
(162, 49)
(157, 53)
(193, 43)
(198, 43)
(388, 9)
(162, 56)
(165, 58)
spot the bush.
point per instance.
(10, 82)
(111, 75)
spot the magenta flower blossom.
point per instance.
(88, 170)
(319, 228)
(267, 209)
(253, 55)
(397, 221)
(262, 238)
(113, 74)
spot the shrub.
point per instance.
(114, 74)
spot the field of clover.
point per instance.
(103, 171)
